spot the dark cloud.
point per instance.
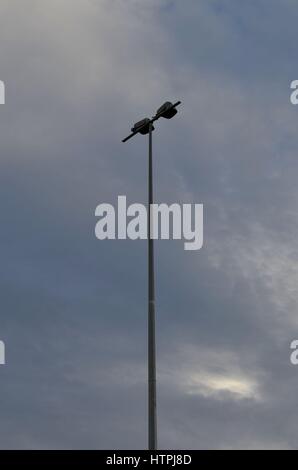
(73, 309)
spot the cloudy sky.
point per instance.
(74, 309)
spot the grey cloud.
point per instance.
(73, 309)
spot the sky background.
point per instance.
(73, 310)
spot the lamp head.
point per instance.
(142, 126)
(166, 111)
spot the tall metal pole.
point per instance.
(152, 424)
(145, 126)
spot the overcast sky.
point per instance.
(73, 309)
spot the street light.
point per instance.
(145, 126)
(167, 110)
(142, 126)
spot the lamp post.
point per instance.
(144, 127)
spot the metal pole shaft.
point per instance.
(152, 425)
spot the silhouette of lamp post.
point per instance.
(144, 127)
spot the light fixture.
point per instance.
(167, 110)
(142, 126)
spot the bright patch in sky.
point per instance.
(206, 385)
